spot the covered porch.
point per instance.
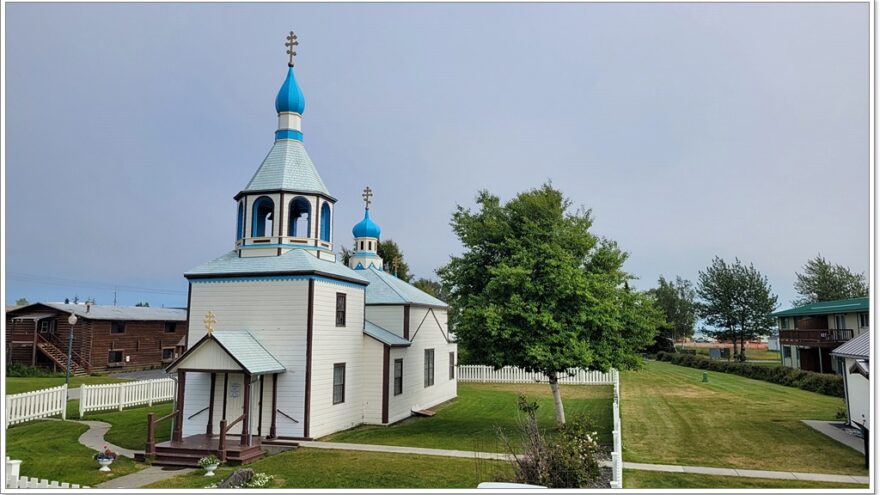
(223, 382)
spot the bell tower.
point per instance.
(286, 204)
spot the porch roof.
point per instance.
(241, 347)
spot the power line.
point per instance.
(87, 284)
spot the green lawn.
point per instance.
(468, 422)
(670, 417)
(318, 468)
(653, 479)
(759, 354)
(49, 449)
(18, 385)
(129, 428)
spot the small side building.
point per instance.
(105, 338)
(808, 334)
(854, 360)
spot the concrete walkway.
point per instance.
(94, 438)
(743, 473)
(147, 476)
(838, 431)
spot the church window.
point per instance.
(325, 222)
(262, 223)
(239, 228)
(300, 221)
(338, 383)
(429, 367)
(398, 376)
(451, 365)
(340, 309)
(117, 327)
(369, 245)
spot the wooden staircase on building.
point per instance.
(59, 357)
(189, 450)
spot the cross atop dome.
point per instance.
(368, 193)
(291, 47)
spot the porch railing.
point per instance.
(815, 336)
(221, 442)
(150, 448)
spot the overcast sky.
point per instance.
(691, 130)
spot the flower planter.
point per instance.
(105, 464)
(209, 469)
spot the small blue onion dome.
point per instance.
(290, 98)
(366, 227)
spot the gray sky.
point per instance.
(691, 130)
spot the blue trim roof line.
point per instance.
(287, 166)
(291, 262)
(366, 227)
(385, 288)
(290, 98)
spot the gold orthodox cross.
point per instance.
(209, 322)
(368, 193)
(291, 47)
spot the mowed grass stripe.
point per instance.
(470, 422)
(670, 417)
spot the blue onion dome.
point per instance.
(366, 227)
(290, 98)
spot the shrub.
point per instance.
(568, 461)
(23, 370)
(811, 381)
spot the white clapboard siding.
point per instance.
(512, 374)
(127, 394)
(617, 452)
(37, 404)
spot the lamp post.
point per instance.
(72, 320)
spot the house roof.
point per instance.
(384, 336)
(828, 307)
(294, 261)
(859, 347)
(287, 166)
(243, 348)
(385, 288)
(105, 312)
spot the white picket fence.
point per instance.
(35, 405)
(126, 394)
(14, 480)
(511, 374)
(617, 451)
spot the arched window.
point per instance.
(299, 223)
(239, 228)
(262, 223)
(325, 222)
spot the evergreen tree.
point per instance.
(823, 281)
(677, 300)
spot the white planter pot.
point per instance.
(105, 464)
(209, 469)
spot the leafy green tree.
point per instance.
(430, 286)
(21, 302)
(677, 300)
(824, 281)
(535, 288)
(736, 300)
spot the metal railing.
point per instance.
(817, 336)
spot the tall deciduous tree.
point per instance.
(677, 300)
(21, 301)
(737, 301)
(535, 288)
(430, 286)
(824, 281)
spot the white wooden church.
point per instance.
(287, 342)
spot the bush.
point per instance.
(805, 380)
(567, 461)
(23, 370)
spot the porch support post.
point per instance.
(34, 347)
(178, 421)
(245, 423)
(210, 429)
(274, 404)
(821, 370)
